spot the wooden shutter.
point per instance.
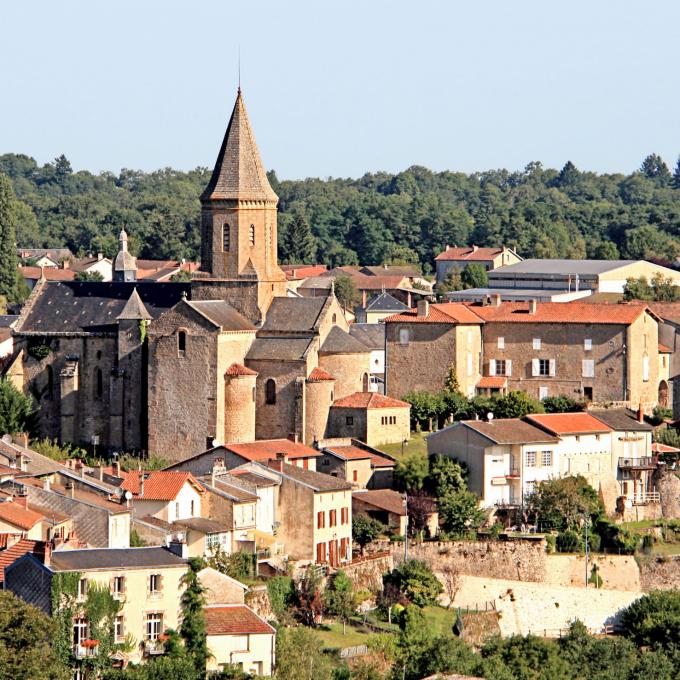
(553, 367)
(535, 370)
(508, 367)
(492, 367)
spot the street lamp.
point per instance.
(403, 444)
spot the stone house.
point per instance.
(454, 259)
(147, 581)
(363, 466)
(378, 308)
(371, 418)
(390, 508)
(373, 336)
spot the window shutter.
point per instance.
(492, 367)
(508, 367)
(645, 368)
(553, 366)
(534, 367)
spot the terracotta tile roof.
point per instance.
(318, 481)
(266, 449)
(560, 312)
(447, 312)
(161, 485)
(50, 273)
(663, 448)
(665, 349)
(492, 382)
(505, 431)
(239, 369)
(349, 452)
(319, 375)
(568, 423)
(234, 619)
(385, 499)
(19, 516)
(295, 272)
(471, 253)
(18, 550)
(369, 400)
(7, 470)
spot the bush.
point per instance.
(550, 541)
(415, 581)
(594, 542)
(281, 592)
(568, 542)
(653, 619)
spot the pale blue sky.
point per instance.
(343, 87)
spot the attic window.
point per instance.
(251, 235)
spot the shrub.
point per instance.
(568, 542)
(281, 592)
(415, 581)
(550, 541)
(653, 619)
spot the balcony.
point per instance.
(512, 473)
(511, 503)
(644, 463)
(154, 647)
(646, 497)
(86, 649)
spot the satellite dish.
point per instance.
(215, 442)
(489, 416)
(128, 495)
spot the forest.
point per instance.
(379, 218)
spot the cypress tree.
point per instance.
(676, 175)
(298, 245)
(9, 273)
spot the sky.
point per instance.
(343, 87)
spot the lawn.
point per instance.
(440, 619)
(416, 445)
(332, 637)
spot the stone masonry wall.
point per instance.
(367, 574)
(660, 573)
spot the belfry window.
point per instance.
(251, 235)
(99, 383)
(225, 238)
(270, 392)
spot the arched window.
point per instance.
(225, 237)
(364, 380)
(270, 392)
(251, 235)
(99, 383)
(181, 343)
(335, 318)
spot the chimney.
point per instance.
(423, 308)
(22, 501)
(72, 488)
(474, 248)
(448, 247)
(23, 439)
(141, 484)
(277, 464)
(115, 468)
(532, 306)
(46, 483)
(179, 548)
(47, 558)
(496, 300)
(640, 414)
(65, 264)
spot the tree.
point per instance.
(310, 605)
(474, 276)
(339, 598)
(414, 642)
(415, 581)
(161, 668)
(299, 655)
(62, 168)
(605, 250)
(25, 642)
(193, 628)
(425, 407)
(459, 513)
(452, 281)
(452, 581)
(16, 409)
(653, 619)
(365, 530)
(676, 175)
(88, 276)
(562, 404)
(663, 288)
(522, 658)
(637, 289)
(298, 245)
(182, 276)
(9, 272)
(410, 473)
(281, 592)
(420, 509)
(569, 176)
(238, 565)
(515, 404)
(654, 167)
(445, 476)
(346, 291)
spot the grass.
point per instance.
(642, 524)
(332, 637)
(440, 619)
(416, 445)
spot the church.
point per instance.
(174, 368)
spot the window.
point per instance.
(270, 391)
(501, 343)
(355, 475)
(663, 361)
(334, 318)
(176, 509)
(99, 383)
(587, 344)
(588, 393)
(154, 626)
(588, 368)
(119, 628)
(193, 514)
(118, 585)
(403, 336)
(154, 584)
(364, 382)
(320, 552)
(79, 630)
(349, 420)
(546, 459)
(529, 488)
(332, 517)
(253, 394)
(225, 238)
(531, 458)
(251, 235)
(645, 368)
(82, 588)
(537, 343)
(543, 392)
(320, 519)
(500, 367)
(240, 643)
(181, 343)
(543, 367)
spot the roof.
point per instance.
(410, 270)
(278, 349)
(299, 315)
(340, 342)
(134, 308)
(251, 478)
(507, 431)
(447, 312)
(560, 312)
(668, 311)
(369, 400)
(352, 452)
(53, 253)
(234, 619)
(224, 484)
(296, 272)
(221, 314)
(317, 481)
(621, 419)
(384, 302)
(657, 447)
(665, 349)
(123, 260)
(371, 334)
(239, 172)
(19, 549)
(203, 524)
(78, 494)
(17, 515)
(319, 375)
(492, 382)
(267, 449)
(48, 273)
(569, 423)
(239, 369)
(384, 499)
(92, 306)
(469, 253)
(559, 267)
(161, 485)
(114, 558)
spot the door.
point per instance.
(333, 550)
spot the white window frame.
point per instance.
(546, 458)
(530, 459)
(155, 584)
(404, 336)
(536, 342)
(119, 628)
(153, 626)
(543, 392)
(501, 343)
(587, 344)
(588, 368)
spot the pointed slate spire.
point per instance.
(125, 265)
(134, 308)
(239, 173)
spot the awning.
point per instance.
(261, 538)
(492, 382)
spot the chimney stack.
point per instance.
(179, 548)
(474, 248)
(141, 484)
(448, 247)
(46, 483)
(532, 306)
(423, 308)
(23, 439)
(640, 414)
(100, 257)
(47, 558)
(496, 300)
(22, 501)
(65, 264)
(277, 464)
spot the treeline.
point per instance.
(407, 217)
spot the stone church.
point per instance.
(172, 368)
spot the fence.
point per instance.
(476, 607)
(351, 652)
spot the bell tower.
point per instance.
(238, 226)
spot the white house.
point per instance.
(169, 496)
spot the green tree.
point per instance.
(663, 288)
(515, 404)
(298, 245)
(365, 530)
(25, 642)
(339, 598)
(182, 276)
(193, 628)
(16, 409)
(346, 291)
(425, 408)
(676, 175)
(415, 581)
(414, 643)
(238, 565)
(88, 276)
(474, 276)
(162, 668)
(605, 250)
(9, 273)
(459, 513)
(281, 592)
(654, 167)
(299, 655)
(562, 404)
(653, 619)
(445, 476)
(523, 658)
(637, 289)
(410, 473)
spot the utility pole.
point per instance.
(406, 534)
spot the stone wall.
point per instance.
(257, 598)
(367, 573)
(667, 484)
(659, 573)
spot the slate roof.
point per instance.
(469, 254)
(383, 499)
(621, 419)
(384, 302)
(239, 172)
(506, 431)
(52, 253)
(409, 270)
(371, 334)
(114, 558)
(161, 485)
(352, 452)
(369, 400)
(134, 308)
(221, 314)
(234, 619)
(17, 515)
(559, 267)
(294, 315)
(340, 342)
(318, 481)
(91, 306)
(19, 549)
(569, 423)
(251, 478)
(278, 349)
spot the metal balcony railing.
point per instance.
(644, 463)
(646, 497)
(512, 502)
(154, 646)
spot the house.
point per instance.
(363, 466)
(506, 458)
(15, 548)
(454, 259)
(370, 417)
(17, 518)
(373, 336)
(7, 322)
(390, 507)
(378, 308)
(45, 257)
(147, 581)
(315, 514)
(237, 636)
(97, 264)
